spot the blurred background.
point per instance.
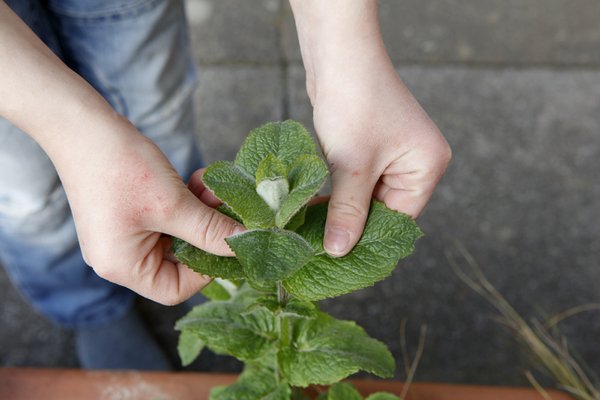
(515, 87)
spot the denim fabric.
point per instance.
(136, 53)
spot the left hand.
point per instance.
(379, 143)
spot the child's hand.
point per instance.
(377, 139)
(379, 143)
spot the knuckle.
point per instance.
(212, 228)
(442, 153)
(347, 209)
(445, 154)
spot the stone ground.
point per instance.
(515, 87)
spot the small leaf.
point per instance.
(270, 255)
(297, 220)
(306, 177)
(237, 189)
(216, 290)
(256, 382)
(383, 396)
(225, 327)
(273, 191)
(271, 181)
(325, 350)
(343, 391)
(299, 308)
(388, 236)
(206, 263)
(189, 347)
(270, 167)
(285, 140)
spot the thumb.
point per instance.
(348, 209)
(201, 226)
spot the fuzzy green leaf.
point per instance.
(285, 140)
(297, 308)
(271, 181)
(206, 263)
(189, 347)
(270, 167)
(237, 189)
(297, 220)
(388, 236)
(306, 176)
(383, 396)
(270, 255)
(225, 209)
(228, 329)
(325, 350)
(257, 382)
(219, 289)
(343, 391)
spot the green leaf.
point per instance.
(299, 309)
(383, 396)
(297, 220)
(293, 307)
(227, 329)
(306, 177)
(343, 391)
(270, 167)
(285, 140)
(257, 382)
(237, 189)
(219, 289)
(388, 236)
(271, 181)
(225, 209)
(206, 263)
(325, 350)
(189, 347)
(268, 256)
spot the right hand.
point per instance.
(124, 200)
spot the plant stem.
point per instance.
(282, 295)
(283, 323)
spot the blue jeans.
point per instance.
(136, 53)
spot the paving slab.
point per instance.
(26, 338)
(230, 101)
(522, 195)
(235, 31)
(521, 32)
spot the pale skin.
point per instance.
(377, 139)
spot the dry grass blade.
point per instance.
(550, 353)
(537, 385)
(570, 313)
(411, 367)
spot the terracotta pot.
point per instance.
(61, 384)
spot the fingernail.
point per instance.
(336, 241)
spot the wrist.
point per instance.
(339, 41)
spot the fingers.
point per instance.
(407, 185)
(411, 202)
(197, 187)
(348, 209)
(160, 279)
(200, 225)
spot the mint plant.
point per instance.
(262, 309)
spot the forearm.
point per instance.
(43, 97)
(339, 35)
